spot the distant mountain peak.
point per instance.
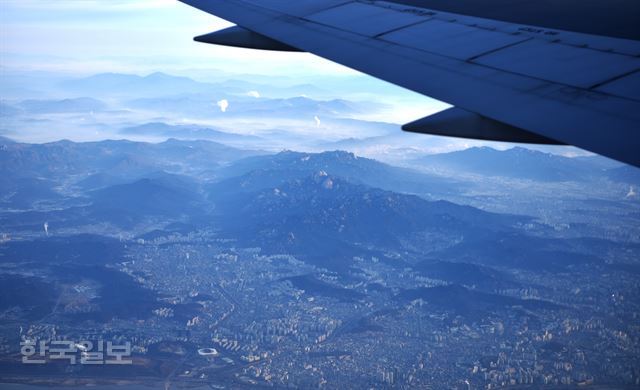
(69, 105)
(268, 171)
(133, 85)
(518, 163)
(157, 74)
(340, 154)
(165, 76)
(6, 141)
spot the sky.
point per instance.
(89, 36)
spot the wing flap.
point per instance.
(456, 122)
(237, 36)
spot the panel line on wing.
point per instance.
(496, 49)
(297, 8)
(592, 42)
(578, 67)
(627, 86)
(379, 36)
(616, 78)
(452, 39)
(363, 19)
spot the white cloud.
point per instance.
(223, 104)
(318, 122)
(255, 94)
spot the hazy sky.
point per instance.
(90, 36)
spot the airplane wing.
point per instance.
(507, 81)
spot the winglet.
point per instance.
(456, 122)
(237, 36)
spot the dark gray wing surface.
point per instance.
(533, 84)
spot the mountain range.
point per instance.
(516, 163)
(120, 158)
(160, 84)
(325, 207)
(259, 172)
(185, 132)
(76, 105)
